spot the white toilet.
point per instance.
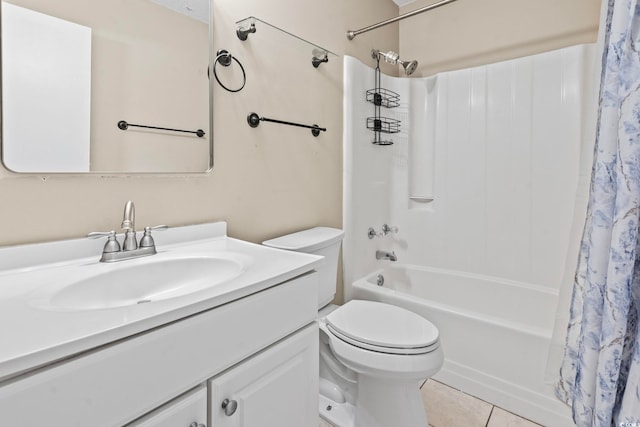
(373, 356)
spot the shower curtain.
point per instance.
(600, 372)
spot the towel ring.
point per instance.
(224, 58)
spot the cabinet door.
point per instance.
(189, 410)
(277, 387)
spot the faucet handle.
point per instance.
(371, 233)
(112, 244)
(387, 229)
(146, 241)
(157, 227)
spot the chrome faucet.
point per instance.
(129, 227)
(130, 248)
(391, 256)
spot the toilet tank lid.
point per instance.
(307, 240)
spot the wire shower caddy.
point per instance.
(381, 97)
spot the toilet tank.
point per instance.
(322, 241)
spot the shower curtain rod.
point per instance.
(351, 34)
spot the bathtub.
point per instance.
(495, 347)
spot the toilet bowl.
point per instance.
(373, 356)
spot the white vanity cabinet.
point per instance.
(189, 410)
(260, 350)
(267, 390)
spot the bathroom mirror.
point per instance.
(87, 83)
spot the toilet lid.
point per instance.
(307, 241)
(382, 327)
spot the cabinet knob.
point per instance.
(229, 407)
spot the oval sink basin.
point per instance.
(142, 283)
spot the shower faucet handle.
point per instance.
(371, 233)
(388, 229)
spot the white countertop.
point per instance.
(32, 335)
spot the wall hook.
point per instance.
(243, 32)
(319, 56)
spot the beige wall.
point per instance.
(266, 181)
(466, 33)
(150, 72)
(276, 179)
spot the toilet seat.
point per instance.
(382, 328)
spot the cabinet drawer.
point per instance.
(189, 410)
(117, 383)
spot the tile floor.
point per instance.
(448, 407)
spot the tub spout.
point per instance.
(391, 256)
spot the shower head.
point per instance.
(393, 58)
(409, 66)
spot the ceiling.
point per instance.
(403, 2)
(196, 9)
(199, 9)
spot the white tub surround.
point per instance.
(497, 147)
(481, 182)
(52, 348)
(63, 48)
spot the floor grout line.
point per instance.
(490, 413)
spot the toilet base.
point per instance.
(338, 414)
(400, 404)
(388, 403)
